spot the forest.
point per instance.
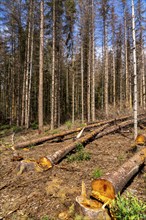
(69, 60)
(72, 109)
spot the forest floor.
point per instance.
(44, 195)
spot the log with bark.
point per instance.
(99, 132)
(58, 155)
(105, 188)
(65, 133)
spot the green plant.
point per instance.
(79, 154)
(79, 147)
(79, 217)
(46, 217)
(128, 207)
(97, 173)
(68, 124)
(34, 125)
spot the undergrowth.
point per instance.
(128, 207)
(97, 173)
(79, 155)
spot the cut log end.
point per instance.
(91, 208)
(44, 163)
(103, 190)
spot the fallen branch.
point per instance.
(117, 127)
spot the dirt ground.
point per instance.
(41, 196)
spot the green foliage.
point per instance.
(68, 124)
(34, 125)
(3, 127)
(97, 173)
(79, 154)
(47, 218)
(128, 207)
(79, 217)
(79, 147)
(16, 129)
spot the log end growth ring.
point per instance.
(103, 190)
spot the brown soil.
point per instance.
(33, 195)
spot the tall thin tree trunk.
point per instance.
(126, 61)
(135, 71)
(40, 97)
(143, 81)
(73, 92)
(93, 68)
(106, 95)
(82, 83)
(30, 71)
(114, 79)
(53, 70)
(27, 77)
(89, 82)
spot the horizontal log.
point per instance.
(65, 133)
(105, 188)
(58, 155)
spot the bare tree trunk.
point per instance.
(126, 60)
(106, 95)
(73, 92)
(53, 69)
(82, 83)
(93, 68)
(143, 81)
(27, 68)
(30, 71)
(114, 79)
(135, 71)
(89, 82)
(67, 89)
(40, 98)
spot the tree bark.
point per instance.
(108, 186)
(65, 133)
(135, 71)
(53, 69)
(41, 60)
(58, 155)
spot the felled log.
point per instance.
(58, 155)
(65, 133)
(46, 138)
(117, 127)
(105, 188)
